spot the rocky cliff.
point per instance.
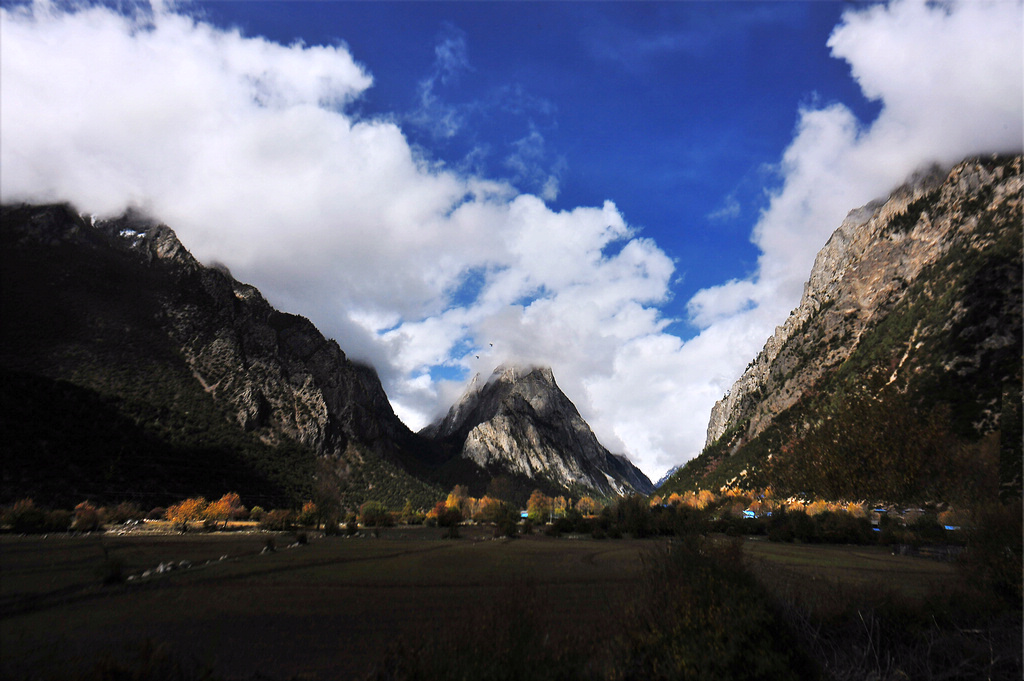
(519, 422)
(121, 308)
(917, 295)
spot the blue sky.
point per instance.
(630, 193)
(676, 111)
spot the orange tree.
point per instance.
(184, 512)
(225, 508)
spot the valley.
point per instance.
(348, 608)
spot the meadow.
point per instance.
(403, 604)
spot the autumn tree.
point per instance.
(538, 508)
(185, 512)
(227, 507)
(587, 506)
(459, 499)
(308, 515)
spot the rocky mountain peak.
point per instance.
(877, 252)
(911, 318)
(519, 421)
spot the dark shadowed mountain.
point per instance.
(898, 377)
(132, 371)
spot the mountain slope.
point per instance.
(899, 375)
(208, 387)
(519, 422)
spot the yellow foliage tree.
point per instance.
(184, 512)
(225, 508)
(538, 508)
(587, 506)
(705, 498)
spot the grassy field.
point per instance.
(328, 609)
(332, 608)
(818, 570)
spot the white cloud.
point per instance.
(246, 148)
(949, 76)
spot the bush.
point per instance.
(257, 513)
(374, 514)
(58, 520)
(25, 517)
(157, 513)
(277, 520)
(307, 516)
(506, 523)
(87, 518)
(995, 551)
(124, 512)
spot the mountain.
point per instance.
(665, 478)
(130, 370)
(899, 374)
(520, 423)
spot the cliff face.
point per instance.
(862, 272)
(915, 299)
(121, 307)
(520, 422)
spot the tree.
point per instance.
(459, 499)
(538, 508)
(184, 512)
(225, 508)
(502, 488)
(446, 516)
(308, 515)
(330, 480)
(587, 506)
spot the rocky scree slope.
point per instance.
(914, 300)
(119, 314)
(519, 422)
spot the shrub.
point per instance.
(307, 516)
(374, 514)
(256, 513)
(277, 520)
(58, 520)
(995, 551)
(25, 517)
(124, 512)
(506, 523)
(87, 518)
(156, 513)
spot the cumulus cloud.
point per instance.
(949, 77)
(248, 149)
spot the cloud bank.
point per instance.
(250, 150)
